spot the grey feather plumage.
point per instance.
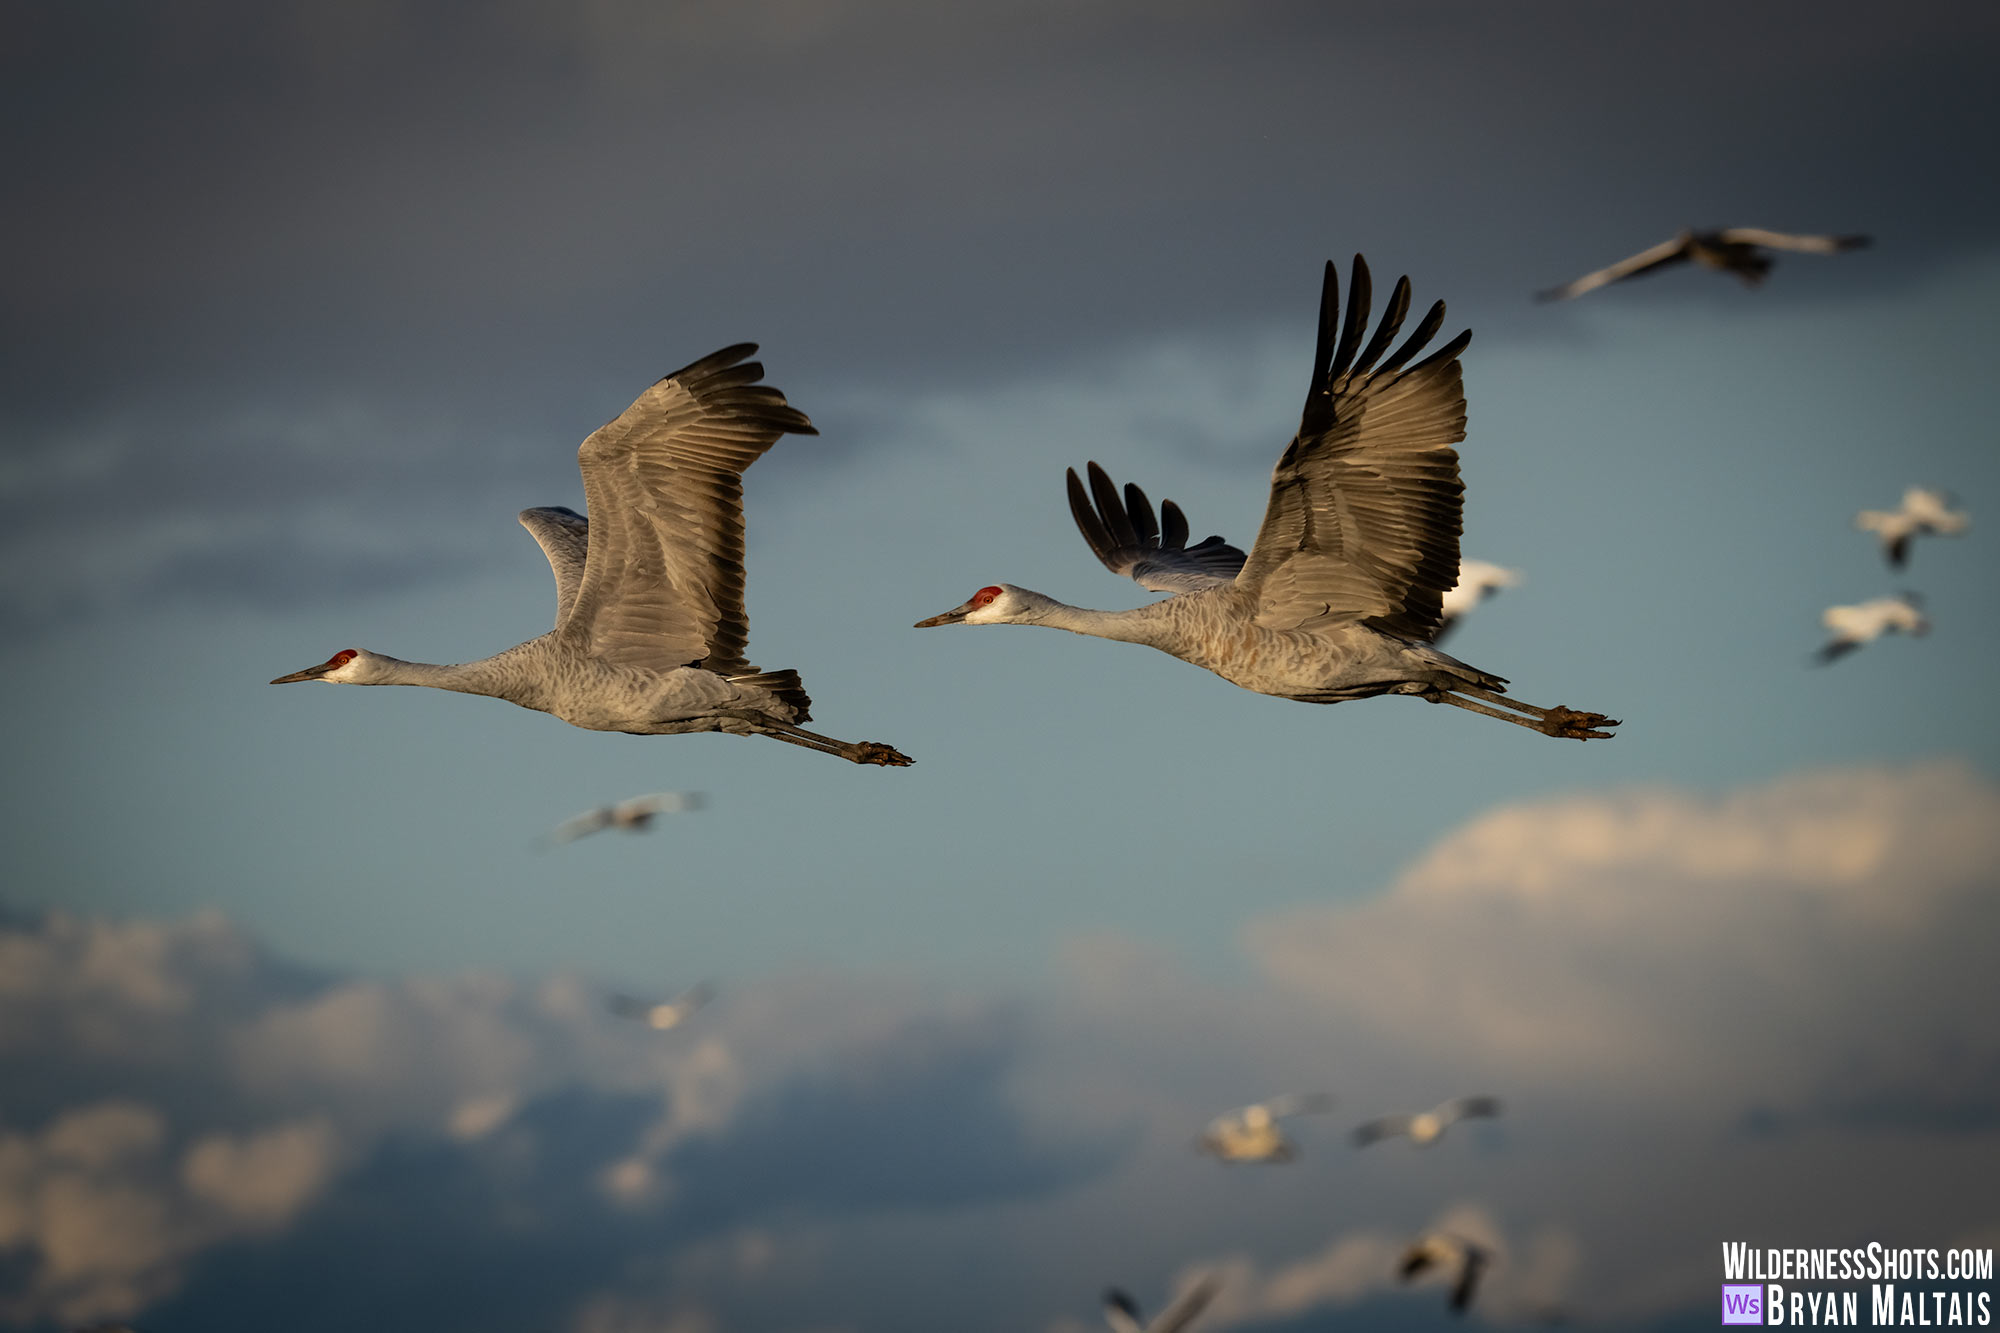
(1339, 596)
(651, 633)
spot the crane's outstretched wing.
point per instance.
(1465, 1108)
(1298, 1103)
(1363, 522)
(564, 536)
(580, 826)
(1782, 240)
(1386, 1127)
(1469, 1269)
(1121, 1312)
(1659, 256)
(1188, 1307)
(663, 581)
(1152, 554)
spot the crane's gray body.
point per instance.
(1324, 661)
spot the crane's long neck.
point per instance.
(486, 676)
(1143, 625)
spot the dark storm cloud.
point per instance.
(511, 216)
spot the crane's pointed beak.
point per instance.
(310, 673)
(951, 617)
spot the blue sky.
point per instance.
(306, 303)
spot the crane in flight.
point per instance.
(1443, 1252)
(1849, 627)
(650, 630)
(662, 1015)
(1122, 1312)
(1924, 512)
(1426, 1127)
(1743, 251)
(1251, 1133)
(1339, 597)
(633, 815)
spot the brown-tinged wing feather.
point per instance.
(663, 583)
(1659, 256)
(1364, 517)
(564, 536)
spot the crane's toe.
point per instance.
(1571, 724)
(874, 752)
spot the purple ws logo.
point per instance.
(1742, 1303)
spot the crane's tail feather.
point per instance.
(786, 685)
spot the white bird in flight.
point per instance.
(1738, 250)
(1426, 1127)
(662, 1016)
(1123, 1314)
(650, 628)
(1864, 622)
(1251, 1133)
(1923, 513)
(1341, 592)
(634, 815)
(1446, 1253)
(1477, 581)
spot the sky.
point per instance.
(304, 302)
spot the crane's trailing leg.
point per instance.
(858, 752)
(1563, 723)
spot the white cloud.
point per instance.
(1762, 1015)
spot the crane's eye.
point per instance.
(984, 596)
(344, 656)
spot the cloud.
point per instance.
(173, 1094)
(1757, 1015)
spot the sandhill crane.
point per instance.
(1445, 1252)
(1251, 1133)
(1923, 512)
(1123, 1315)
(634, 815)
(1339, 597)
(662, 1016)
(1738, 250)
(1477, 581)
(1426, 1127)
(1852, 626)
(650, 628)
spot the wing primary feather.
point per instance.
(1110, 508)
(1173, 526)
(1088, 524)
(1140, 510)
(1318, 404)
(1433, 321)
(1385, 332)
(1444, 353)
(1359, 297)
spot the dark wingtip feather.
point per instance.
(1140, 510)
(1087, 522)
(1447, 352)
(1392, 321)
(1111, 509)
(1173, 526)
(1359, 297)
(1329, 319)
(1426, 329)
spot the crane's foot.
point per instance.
(874, 752)
(1569, 724)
